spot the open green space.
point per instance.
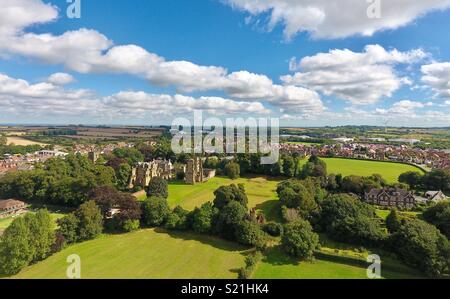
(388, 170)
(55, 213)
(147, 254)
(261, 192)
(384, 213)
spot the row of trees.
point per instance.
(438, 179)
(59, 181)
(345, 218)
(27, 240)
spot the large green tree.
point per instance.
(155, 211)
(158, 187)
(439, 216)
(299, 240)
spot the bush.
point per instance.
(131, 225)
(90, 221)
(158, 187)
(421, 245)
(249, 233)
(172, 221)
(299, 240)
(226, 220)
(155, 211)
(227, 194)
(232, 170)
(250, 263)
(347, 219)
(273, 229)
(202, 218)
(439, 216)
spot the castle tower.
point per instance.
(194, 171)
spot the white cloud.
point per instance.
(360, 78)
(43, 99)
(88, 51)
(437, 76)
(60, 79)
(336, 19)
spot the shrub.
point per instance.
(202, 218)
(131, 225)
(421, 245)
(439, 216)
(155, 211)
(273, 229)
(158, 187)
(249, 233)
(299, 240)
(232, 170)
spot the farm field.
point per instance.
(147, 254)
(389, 171)
(261, 193)
(22, 141)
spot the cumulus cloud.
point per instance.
(359, 78)
(437, 76)
(20, 97)
(60, 78)
(336, 19)
(88, 51)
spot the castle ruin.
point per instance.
(144, 172)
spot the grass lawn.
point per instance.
(147, 254)
(261, 193)
(334, 261)
(389, 171)
(384, 213)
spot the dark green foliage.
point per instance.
(345, 218)
(359, 185)
(130, 154)
(130, 225)
(421, 245)
(68, 228)
(438, 179)
(393, 221)
(250, 264)
(314, 168)
(227, 194)
(61, 181)
(250, 233)
(28, 239)
(90, 221)
(273, 229)
(155, 211)
(412, 178)
(289, 166)
(202, 218)
(232, 170)
(295, 195)
(123, 174)
(439, 216)
(299, 240)
(289, 215)
(226, 220)
(158, 187)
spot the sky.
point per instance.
(306, 62)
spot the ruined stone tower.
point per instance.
(194, 171)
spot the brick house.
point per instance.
(391, 197)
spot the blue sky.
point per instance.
(381, 77)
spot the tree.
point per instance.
(250, 233)
(90, 221)
(412, 178)
(347, 219)
(295, 195)
(438, 179)
(439, 216)
(314, 168)
(123, 174)
(68, 228)
(3, 139)
(202, 218)
(42, 235)
(130, 154)
(289, 166)
(421, 245)
(15, 250)
(232, 170)
(158, 187)
(225, 221)
(299, 240)
(155, 211)
(393, 221)
(227, 194)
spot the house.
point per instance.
(391, 197)
(11, 207)
(435, 196)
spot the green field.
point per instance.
(384, 213)
(147, 254)
(389, 171)
(4, 223)
(261, 193)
